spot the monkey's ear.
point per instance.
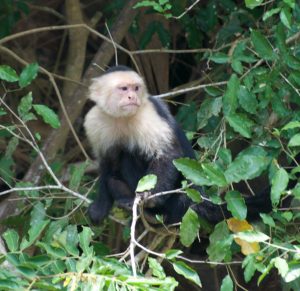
(98, 90)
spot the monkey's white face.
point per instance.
(127, 98)
(119, 94)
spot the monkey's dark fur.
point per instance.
(122, 166)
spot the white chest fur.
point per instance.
(146, 131)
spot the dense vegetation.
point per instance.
(230, 71)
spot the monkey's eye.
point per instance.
(123, 88)
(136, 88)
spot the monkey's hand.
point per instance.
(152, 202)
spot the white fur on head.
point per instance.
(102, 90)
(145, 131)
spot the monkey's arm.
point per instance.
(167, 176)
(101, 206)
(121, 193)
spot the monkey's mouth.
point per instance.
(130, 105)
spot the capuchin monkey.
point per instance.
(133, 134)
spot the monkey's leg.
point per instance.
(101, 206)
(121, 193)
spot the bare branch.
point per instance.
(136, 202)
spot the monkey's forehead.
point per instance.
(119, 77)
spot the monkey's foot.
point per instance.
(97, 213)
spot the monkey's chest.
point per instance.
(129, 166)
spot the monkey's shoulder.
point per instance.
(180, 137)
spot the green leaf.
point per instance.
(55, 252)
(193, 194)
(213, 91)
(83, 264)
(286, 17)
(192, 170)
(27, 272)
(250, 268)
(280, 36)
(219, 58)
(69, 240)
(296, 191)
(253, 3)
(8, 74)
(144, 4)
(146, 183)
(291, 125)
(293, 273)
(38, 213)
(241, 124)
(295, 76)
(292, 61)
(85, 238)
(288, 215)
(227, 284)
(187, 272)
(279, 184)
(48, 115)
(214, 174)
(262, 46)
(28, 74)
(34, 233)
(252, 236)
(147, 35)
(189, 227)
(209, 107)
(281, 265)
(230, 98)
(236, 204)
(39, 260)
(77, 173)
(9, 284)
(291, 3)
(11, 238)
(163, 34)
(2, 112)
(294, 141)
(13, 259)
(247, 100)
(220, 243)
(267, 219)
(270, 13)
(24, 108)
(225, 155)
(237, 66)
(11, 147)
(172, 254)
(38, 136)
(249, 164)
(156, 268)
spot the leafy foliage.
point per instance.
(67, 260)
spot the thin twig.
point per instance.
(132, 245)
(114, 44)
(186, 10)
(190, 89)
